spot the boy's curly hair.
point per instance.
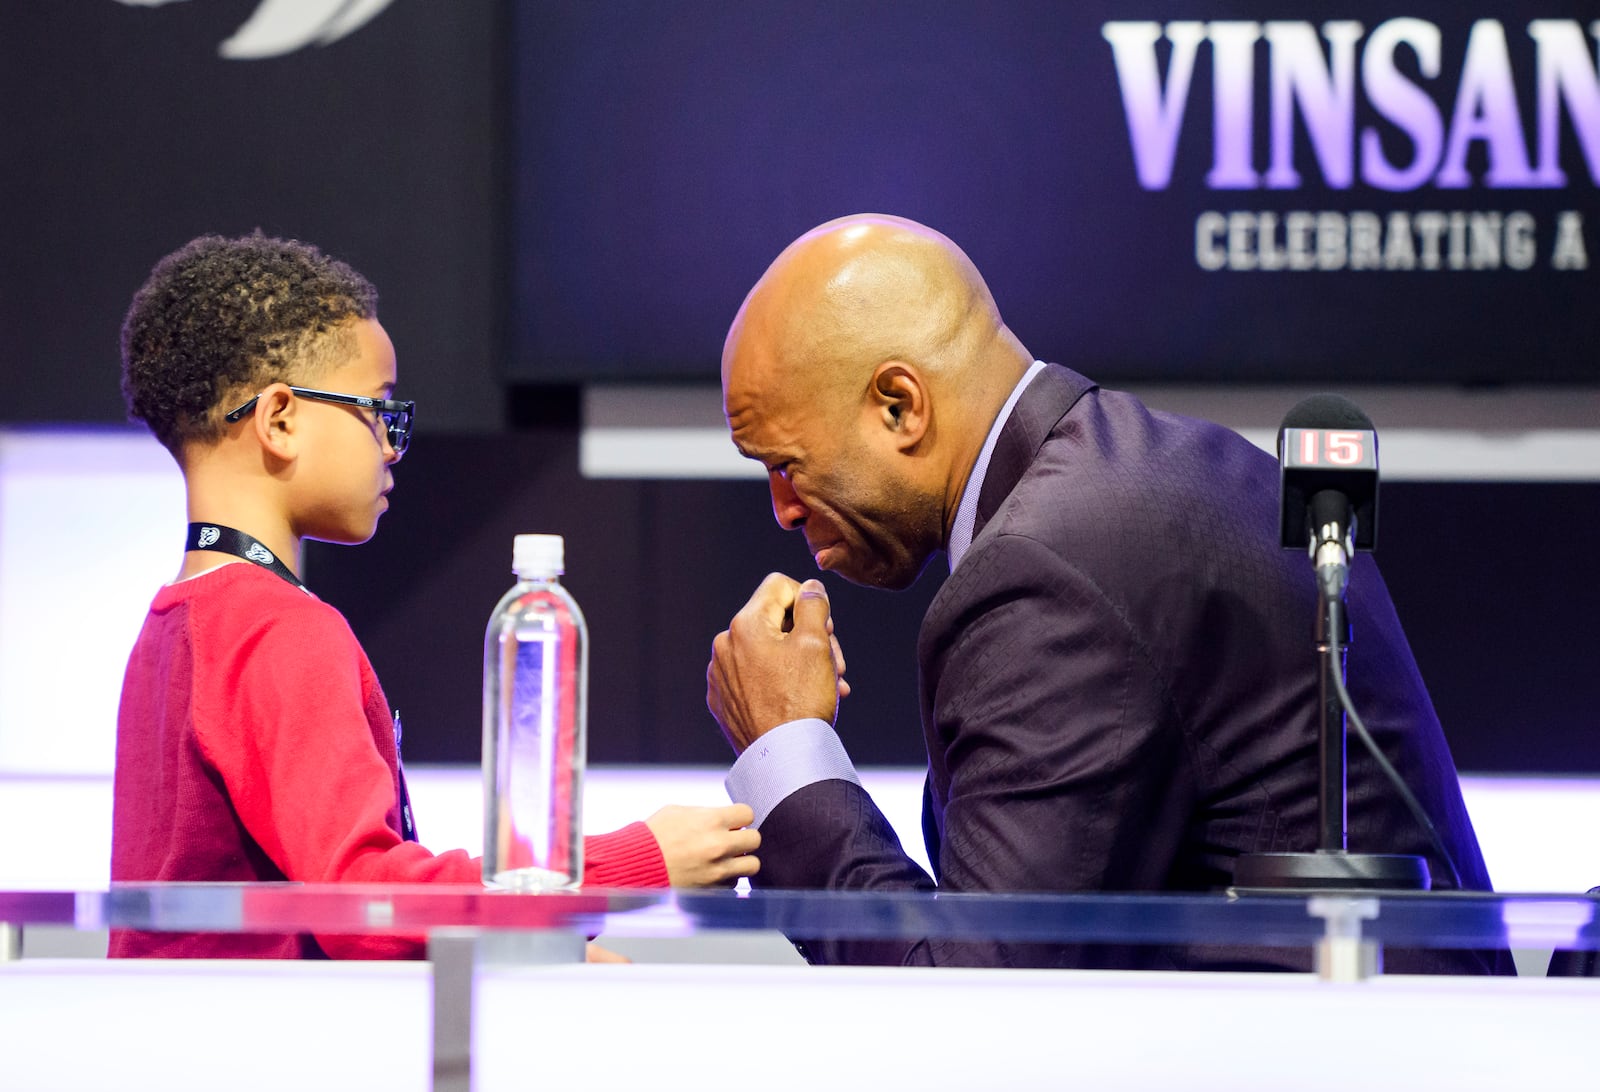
(219, 318)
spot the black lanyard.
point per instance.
(215, 538)
(408, 826)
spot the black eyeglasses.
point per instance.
(397, 416)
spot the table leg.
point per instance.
(456, 956)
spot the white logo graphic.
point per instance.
(209, 536)
(260, 554)
(283, 26)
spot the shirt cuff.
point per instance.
(788, 758)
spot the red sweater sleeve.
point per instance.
(303, 739)
(301, 734)
(305, 745)
(629, 857)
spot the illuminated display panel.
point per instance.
(1161, 191)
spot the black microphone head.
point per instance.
(1326, 445)
(1325, 411)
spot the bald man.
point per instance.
(1119, 689)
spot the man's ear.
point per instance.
(899, 400)
(274, 423)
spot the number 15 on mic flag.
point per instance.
(1329, 449)
(1343, 460)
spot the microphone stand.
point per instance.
(1332, 866)
(1332, 638)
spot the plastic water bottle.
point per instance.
(535, 704)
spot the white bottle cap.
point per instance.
(535, 556)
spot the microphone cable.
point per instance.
(1411, 802)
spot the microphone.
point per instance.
(1328, 484)
(1328, 458)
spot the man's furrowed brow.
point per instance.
(747, 452)
(743, 446)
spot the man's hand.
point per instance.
(706, 846)
(777, 661)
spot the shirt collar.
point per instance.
(967, 510)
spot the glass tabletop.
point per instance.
(1421, 920)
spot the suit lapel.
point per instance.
(1047, 399)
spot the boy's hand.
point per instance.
(593, 953)
(706, 846)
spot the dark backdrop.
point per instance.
(123, 134)
(664, 153)
(558, 191)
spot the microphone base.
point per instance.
(1330, 870)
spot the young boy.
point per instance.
(253, 740)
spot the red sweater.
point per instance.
(254, 743)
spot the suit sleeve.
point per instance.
(1063, 760)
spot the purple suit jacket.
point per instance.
(1119, 693)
